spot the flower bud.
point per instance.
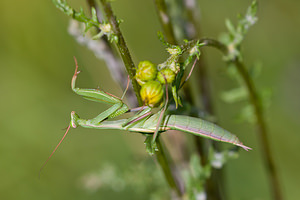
(105, 27)
(146, 72)
(175, 67)
(166, 73)
(151, 93)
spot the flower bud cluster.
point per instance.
(151, 80)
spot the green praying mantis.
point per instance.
(144, 121)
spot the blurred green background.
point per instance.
(36, 56)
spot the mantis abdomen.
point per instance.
(202, 128)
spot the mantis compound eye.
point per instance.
(166, 73)
(152, 93)
(146, 72)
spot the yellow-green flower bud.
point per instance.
(166, 73)
(152, 93)
(175, 67)
(174, 51)
(106, 28)
(146, 72)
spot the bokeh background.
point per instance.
(36, 59)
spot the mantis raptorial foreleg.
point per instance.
(143, 112)
(117, 108)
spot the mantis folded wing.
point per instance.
(183, 123)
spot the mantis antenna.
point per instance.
(68, 128)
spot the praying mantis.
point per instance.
(144, 121)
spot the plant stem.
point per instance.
(165, 21)
(125, 55)
(192, 90)
(262, 130)
(103, 50)
(163, 161)
(122, 47)
(260, 120)
(200, 92)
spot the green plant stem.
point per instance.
(165, 21)
(215, 183)
(261, 126)
(260, 120)
(125, 55)
(163, 161)
(104, 51)
(122, 47)
(200, 92)
(192, 88)
(92, 4)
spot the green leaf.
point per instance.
(161, 37)
(195, 178)
(266, 95)
(255, 70)
(235, 95)
(247, 114)
(236, 35)
(63, 6)
(150, 146)
(230, 27)
(79, 16)
(94, 15)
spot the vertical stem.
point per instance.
(192, 89)
(103, 50)
(163, 161)
(262, 131)
(122, 47)
(92, 3)
(165, 21)
(260, 120)
(125, 55)
(215, 183)
(200, 92)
